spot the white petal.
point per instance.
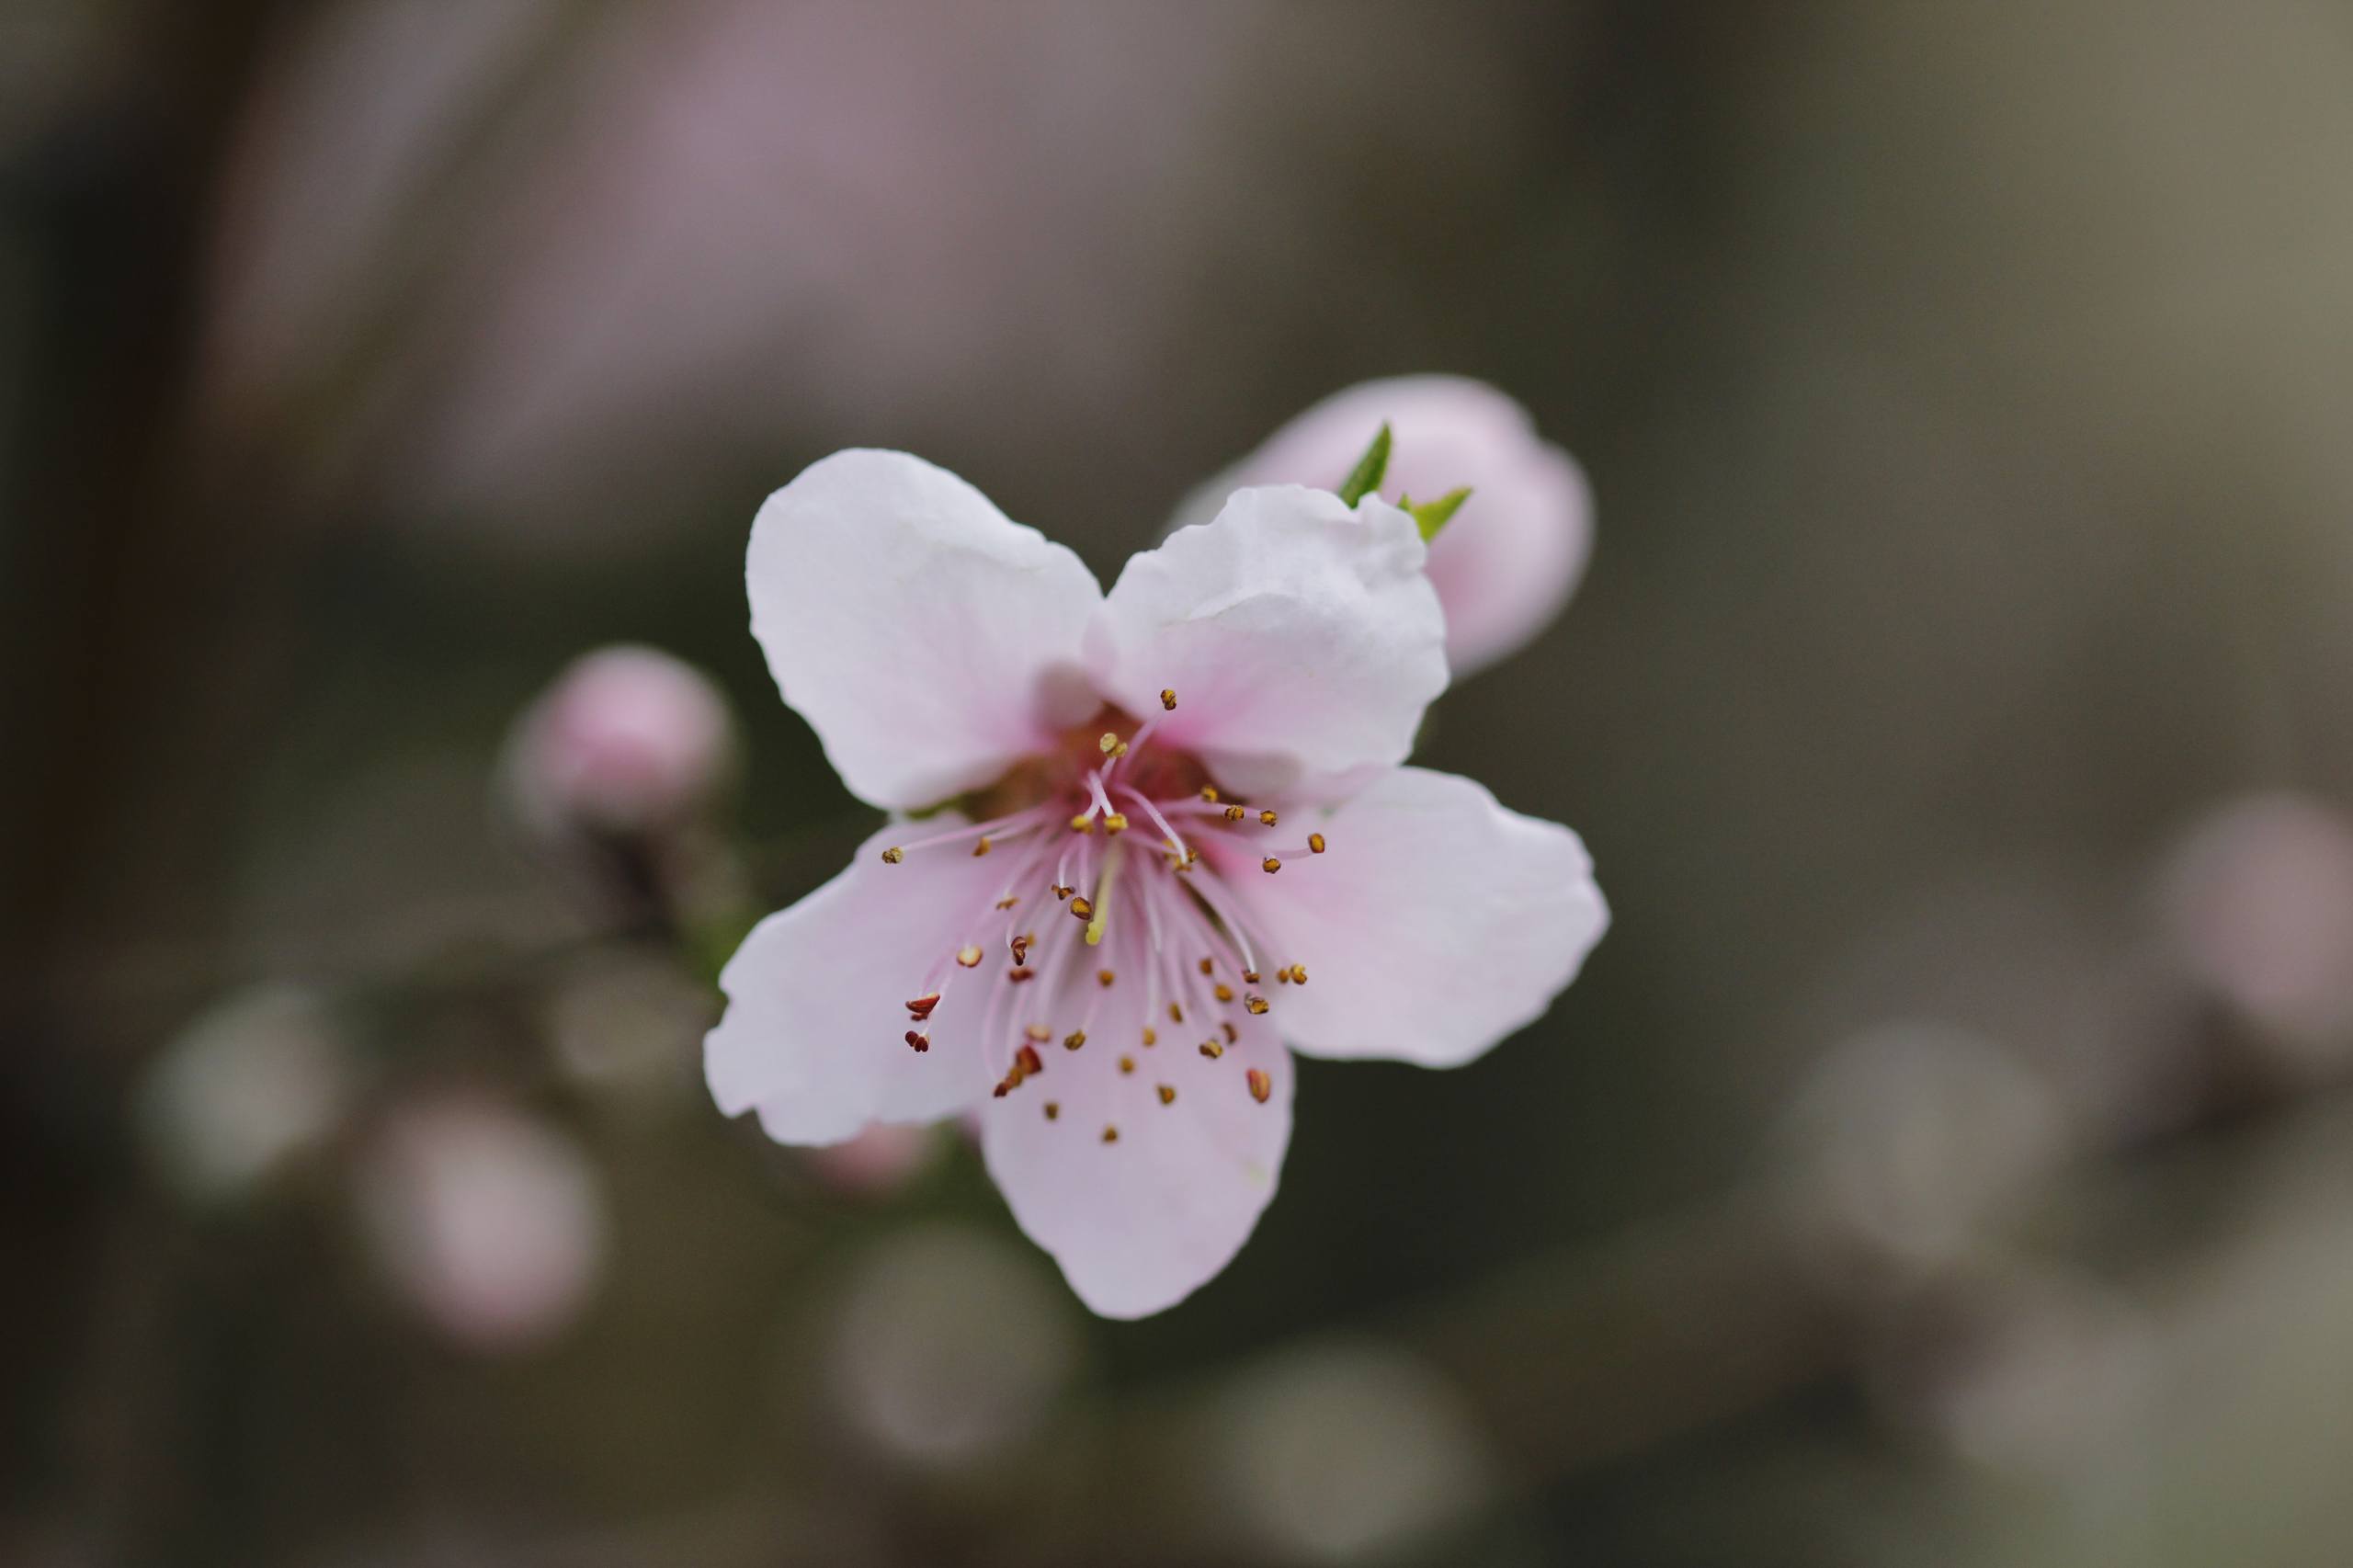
(1139, 1224)
(1436, 923)
(1510, 558)
(815, 1034)
(1301, 637)
(929, 640)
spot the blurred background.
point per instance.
(1946, 1159)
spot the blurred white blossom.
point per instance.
(1346, 1451)
(1907, 1144)
(254, 1080)
(947, 1344)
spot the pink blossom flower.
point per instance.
(1179, 837)
(1509, 559)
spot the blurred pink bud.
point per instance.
(627, 740)
(487, 1223)
(2258, 902)
(1509, 559)
(875, 1163)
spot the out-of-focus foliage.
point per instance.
(1944, 1161)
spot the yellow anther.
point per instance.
(1208, 793)
(1168, 698)
(1074, 1039)
(981, 848)
(1209, 966)
(968, 957)
(1083, 823)
(1256, 1004)
(893, 855)
(1267, 818)
(1232, 1035)
(1061, 892)
(1212, 1050)
(1040, 1033)
(1081, 908)
(1115, 822)
(1109, 743)
(1127, 1065)
(1053, 1111)
(1315, 843)
(1225, 992)
(1008, 901)
(1175, 1013)
(1299, 974)
(1110, 1135)
(1235, 814)
(1104, 977)
(1168, 1094)
(1150, 1038)
(1270, 864)
(1249, 977)
(1260, 1085)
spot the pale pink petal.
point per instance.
(929, 640)
(1436, 923)
(815, 1034)
(1301, 637)
(1509, 559)
(1138, 1224)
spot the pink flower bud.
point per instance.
(1509, 559)
(627, 740)
(487, 1223)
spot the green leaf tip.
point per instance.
(1432, 516)
(1365, 478)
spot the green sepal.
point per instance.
(1365, 478)
(1432, 516)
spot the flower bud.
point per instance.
(255, 1081)
(487, 1223)
(1509, 559)
(627, 741)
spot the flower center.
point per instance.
(1117, 905)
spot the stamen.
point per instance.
(1260, 1084)
(1224, 993)
(1020, 946)
(1040, 1033)
(1008, 901)
(1151, 1037)
(1235, 814)
(1109, 743)
(1127, 1065)
(1031, 1063)
(1168, 1094)
(1074, 1039)
(1208, 793)
(981, 848)
(893, 855)
(1020, 973)
(1299, 974)
(1110, 1135)
(1232, 1035)
(1115, 822)
(1270, 864)
(1104, 977)
(1212, 1050)
(1267, 818)
(970, 957)
(1053, 1111)
(1175, 1013)
(920, 1008)
(1249, 977)
(1083, 909)
(921, 1042)
(1168, 698)
(1315, 844)
(1209, 966)
(1256, 1003)
(1083, 823)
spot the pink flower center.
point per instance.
(1120, 862)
